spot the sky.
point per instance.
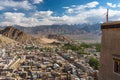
(48, 12)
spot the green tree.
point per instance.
(85, 45)
(71, 46)
(93, 62)
(98, 47)
(29, 48)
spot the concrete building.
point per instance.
(110, 52)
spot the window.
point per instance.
(116, 65)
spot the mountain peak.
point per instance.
(17, 35)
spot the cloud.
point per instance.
(86, 16)
(94, 15)
(92, 4)
(79, 8)
(42, 14)
(70, 10)
(37, 1)
(89, 13)
(37, 18)
(12, 18)
(113, 5)
(4, 4)
(46, 17)
(75, 14)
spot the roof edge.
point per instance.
(114, 24)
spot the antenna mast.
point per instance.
(107, 16)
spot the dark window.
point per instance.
(116, 66)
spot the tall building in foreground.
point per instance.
(110, 52)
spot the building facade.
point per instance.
(110, 52)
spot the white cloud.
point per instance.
(46, 18)
(12, 18)
(92, 4)
(37, 18)
(42, 14)
(73, 6)
(66, 7)
(70, 10)
(80, 8)
(37, 1)
(15, 4)
(86, 16)
(111, 5)
(15, 9)
(76, 14)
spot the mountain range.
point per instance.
(80, 32)
(62, 29)
(51, 33)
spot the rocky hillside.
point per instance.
(58, 37)
(18, 35)
(5, 41)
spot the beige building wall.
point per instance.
(110, 49)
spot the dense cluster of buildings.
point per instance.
(26, 62)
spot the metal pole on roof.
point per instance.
(107, 16)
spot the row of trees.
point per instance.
(82, 46)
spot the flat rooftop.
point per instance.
(114, 24)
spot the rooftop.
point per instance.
(115, 24)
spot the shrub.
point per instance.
(93, 62)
